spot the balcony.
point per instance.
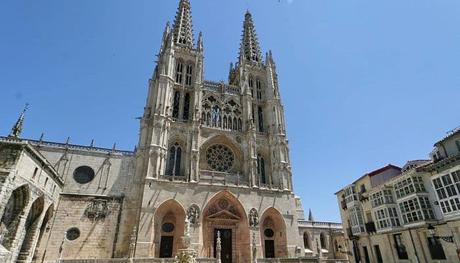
(370, 227)
(343, 204)
(222, 178)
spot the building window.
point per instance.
(72, 233)
(322, 239)
(259, 89)
(179, 72)
(220, 158)
(408, 186)
(400, 247)
(306, 240)
(387, 217)
(176, 103)
(447, 190)
(261, 169)
(174, 160)
(186, 113)
(416, 209)
(261, 119)
(382, 197)
(436, 249)
(356, 220)
(35, 173)
(366, 255)
(458, 145)
(188, 75)
(83, 174)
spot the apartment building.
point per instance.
(407, 214)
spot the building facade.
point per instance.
(408, 214)
(213, 154)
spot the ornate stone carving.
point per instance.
(193, 214)
(97, 210)
(253, 218)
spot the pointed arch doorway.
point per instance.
(225, 215)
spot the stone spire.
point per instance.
(17, 128)
(182, 28)
(250, 49)
(310, 215)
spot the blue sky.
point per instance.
(364, 83)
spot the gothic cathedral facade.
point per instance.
(212, 154)
(215, 152)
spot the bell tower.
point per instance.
(173, 102)
(266, 132)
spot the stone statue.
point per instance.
(193, 214)
(253, 218)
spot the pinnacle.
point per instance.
(250, 49)
(182, 28)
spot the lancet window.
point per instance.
(176, 103)
(186, 112)
(188, 76)
(174, 160)
(259, 89)
(261, 169)
(261, 119)
(179, 72)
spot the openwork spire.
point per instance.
(17, 128)
(250, 49)
(182, 29)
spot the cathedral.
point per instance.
(212, 161)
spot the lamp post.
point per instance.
(432, 232)
(450, 239)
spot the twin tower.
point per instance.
(186, 116)
(214, 152)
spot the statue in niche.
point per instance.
(253, 218)
(193, 214)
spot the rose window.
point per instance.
(220, 158)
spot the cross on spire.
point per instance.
(250, 49)
(17, 128)
(182, 28)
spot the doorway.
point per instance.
(226, 244)
(270, 248)
(166, 246)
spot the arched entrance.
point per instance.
(11, 215)
(273, 234)
(224, 214)
(31, 228)
(169, 220)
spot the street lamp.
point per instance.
(432, 232)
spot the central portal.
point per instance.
(226, 244)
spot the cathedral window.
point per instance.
(240, 126)
(188, 76)
(220, 158)
(261, 169)
(176, 103)
(261, 119)
(179, 72)
(83, 174)
(259, 89)
(174, 160)
(186, 112)
(235, 124)
(251, 86)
